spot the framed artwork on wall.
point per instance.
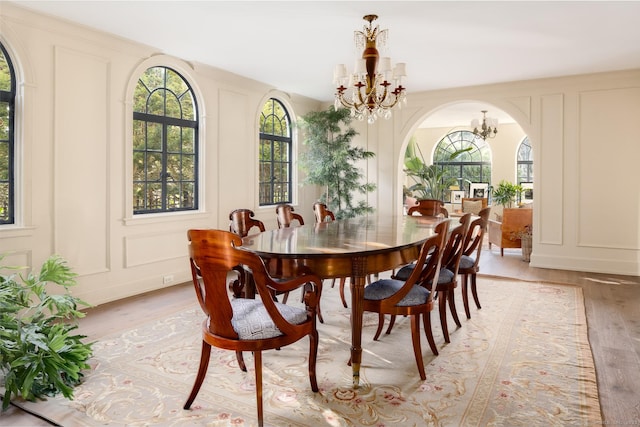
(479, 189)
(456, 196)
(527, 194)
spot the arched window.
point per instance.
(525, 162)
(275, 154)
(7, 142)
(469, 166)
(165, 143)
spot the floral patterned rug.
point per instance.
(523, 359)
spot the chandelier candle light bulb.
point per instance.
(366, 91)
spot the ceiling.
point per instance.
(294, 45)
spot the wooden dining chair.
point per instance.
(323, 214)
(448, 278)
(429, 207)
(242, 221)
(413, 297)
(240, 324)
(285, 216)
(470, 260)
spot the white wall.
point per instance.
(585, 135)
(75, 159)
(75, 156)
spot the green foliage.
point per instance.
(329, 162)
(39, 353)
(506, 193)
(430, 181)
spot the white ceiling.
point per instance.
(294, 45)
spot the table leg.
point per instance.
(357, 296)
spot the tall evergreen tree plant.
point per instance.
(329, 161)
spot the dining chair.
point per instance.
(241, 324)
(242, 221)
(429, 207)
(323, 214)
(448, 278)
(470, 260)
(413, 297)
(285, 216)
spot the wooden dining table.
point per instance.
(353, 248)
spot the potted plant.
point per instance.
(39, 353)
(506, 193)
(329, 161)
(430, 181)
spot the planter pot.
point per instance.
(527, 247)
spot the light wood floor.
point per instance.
(612, 306)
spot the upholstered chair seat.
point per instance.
(384, 288)
(252, 322)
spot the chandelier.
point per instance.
(366, 92)
(488, 128)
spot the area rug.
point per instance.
(523, 359)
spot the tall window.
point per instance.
(525, 162)
(275, 154)
(165, 143)
(470, 166)
(7, 143)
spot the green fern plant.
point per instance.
(40, 355)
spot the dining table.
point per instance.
(354, 247)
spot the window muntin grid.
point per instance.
(165, 143)
(7, 135)
(525, 162)
(275, 153)
(473, 165)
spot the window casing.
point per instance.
(7, 141)
(276, 147)
(525, 162)
(470, 166)
(165, 143)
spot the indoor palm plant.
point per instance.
(39, 353)
(430, 181)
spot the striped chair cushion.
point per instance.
(251, 320)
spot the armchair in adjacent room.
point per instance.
(506, 234)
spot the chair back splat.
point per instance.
(244, 324)
(285, 216)
(322, 213)
(242, 222)
(429, 207)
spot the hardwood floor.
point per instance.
(612, 306)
